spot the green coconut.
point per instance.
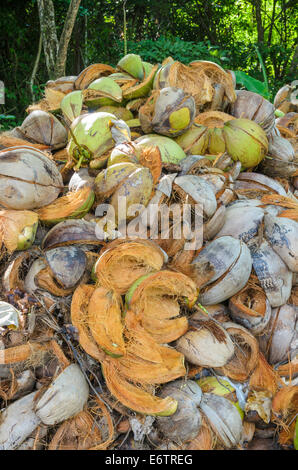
(72, 104)
(170, 151)
(132, 64)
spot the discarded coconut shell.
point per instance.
(65, 397)
(67, 263)
(44, 128)
(206, 344)
(185, 423)
(231, 261)
(29, 179)
(70, 232)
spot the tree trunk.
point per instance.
(260, 28)
(49, 36)
(65, 37)
(56, 52)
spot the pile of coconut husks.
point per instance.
(150, 340)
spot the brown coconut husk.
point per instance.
(136, 397)
(91, 73)
(205, 440)
(146, 361)
(284, 408)
(79, 319)
(104, 320)
(264, 377)
(7, 140)
(245, 359)
(155, 301)
(212, 119)
(122, 262)
(65, 206)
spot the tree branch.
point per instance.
(35, 67)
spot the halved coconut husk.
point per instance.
(44, 128)
(262, 183)
(198, 80)
(230, 261)
(245, 359)
(71, 105)
(142, 89)
(206, 344)
(169, 111)
(185, 424)
(79, 319)
(71, 206)
(277, 339)
(136, 398)
(29, 178)
(91, 73)
(125, 261)
(44, 280)
(155, 301)
(146, 361)
(270, 270)
(253, 106)
(15, 138)
(70, 232)
(224, 419)
(17, 229)
(118, 111)
(103, 91)
(104, 321)
(251, 308)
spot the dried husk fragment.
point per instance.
(136, 397)
(124, 261)
(224, 419)
(245, 358)
(74, 205)
(205, 439)
(104, 321)
(79, 319)
(206, 344)
(155, 301)
(29, 179)
(17, 229)
(145, 360)
(65, 397)
(79, 433)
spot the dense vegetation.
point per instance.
(238, 34)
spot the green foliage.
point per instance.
(251, 84)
